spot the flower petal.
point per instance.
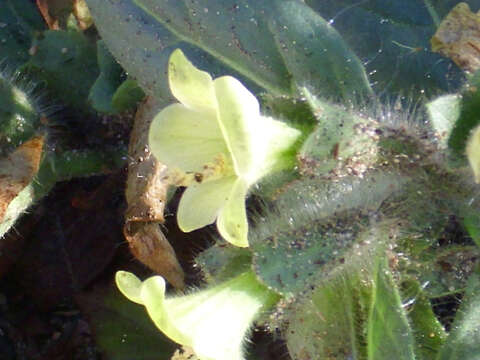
(191, 86)
(232, 221)
(153, 297)
(214, 321)
(238, 114)
(186, 139)
(201, 203)
(278, 138)
(129, 285)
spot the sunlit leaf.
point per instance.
(464, 339)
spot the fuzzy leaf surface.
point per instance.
(464, 339)
(389, 333)
(428, 331)
(314, 228)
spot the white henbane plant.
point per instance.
(217, 133)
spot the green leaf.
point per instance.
(314, 52)
(389, 333)
(315, 228)
(19, 21)
(223, 261)
(127, 96)
(140, 44)
(393, 39)
(464, 339)
(330, 322)
(428, 332)
(19, 113)
(444, 268)
(471, 222)
(468, 119)
(102, 92)
(66, 61)
(298, 113)
(335, 136)
(83, 163)
(245, 38)
(356, 314)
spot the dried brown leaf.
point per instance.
(458, 37)
(149, 245)
(18, 169)
(146, 194)
(55, 12)
(43, 7)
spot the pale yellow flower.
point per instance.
(217, 132)
(214, 321)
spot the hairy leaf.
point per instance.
(464, 340)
